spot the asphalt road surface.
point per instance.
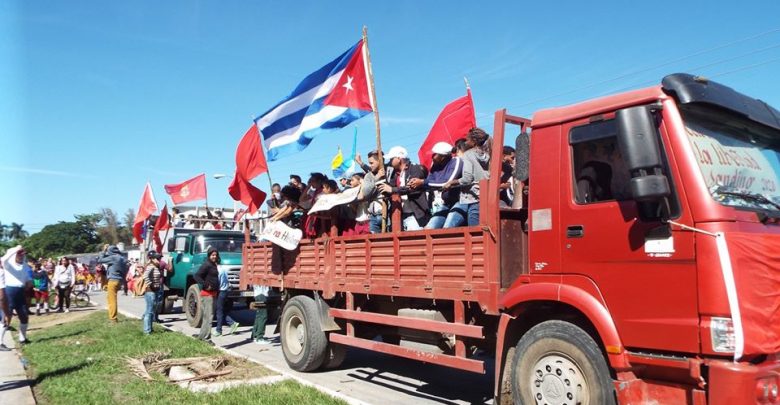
(365, 376)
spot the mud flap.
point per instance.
(327, 323)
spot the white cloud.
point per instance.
(44, 172)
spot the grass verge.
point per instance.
(83, 362)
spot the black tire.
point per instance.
(167, 306)
(557, 361)
(334, 356)
(192, 306)
(80, 299)
(303, 342)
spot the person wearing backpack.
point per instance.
(152, 286)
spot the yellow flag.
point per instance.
(337, 160)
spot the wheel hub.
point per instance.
(556, 380)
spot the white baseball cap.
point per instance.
(397, 152)
(442, 148)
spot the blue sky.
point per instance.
(96, 98)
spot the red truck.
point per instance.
(643, 266)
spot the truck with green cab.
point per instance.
(186, 253)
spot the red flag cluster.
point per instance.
(453, 123)
(146, 208)
(250, 163)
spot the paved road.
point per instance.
(365, 376)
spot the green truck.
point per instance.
(187, 251)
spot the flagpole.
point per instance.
(380, 156)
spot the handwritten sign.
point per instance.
(282, 235)
(729, 162)
(328, 201)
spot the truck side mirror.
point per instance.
(171, 245)
(638, 140)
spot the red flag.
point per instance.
(190, 190)
(163, 223)
(453, 123)
(146, 207)
(250, 163)
(244, 191)
(352, 89)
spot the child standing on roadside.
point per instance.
(41, 288)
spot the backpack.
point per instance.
(139, 287)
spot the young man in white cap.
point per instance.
(414, 202)
(445, 168)
(15, 272)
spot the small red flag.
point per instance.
(190, 190)
(250, 163)
(146, 208)
(163, 222)
(453, 123)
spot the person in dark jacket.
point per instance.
(414, 202)
(117, 270)
(445, 168)
(208, 278)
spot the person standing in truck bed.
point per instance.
(282, 259)
(475, 168)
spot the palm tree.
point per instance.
(3, 231)
(17, 231)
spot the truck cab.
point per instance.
(659, 225)
(187, 250)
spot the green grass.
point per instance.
(82, 362)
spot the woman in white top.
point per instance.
(64, 279)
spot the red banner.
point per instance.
(190, 190)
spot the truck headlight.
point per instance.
(722, 334)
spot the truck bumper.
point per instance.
(741, 383)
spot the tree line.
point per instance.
(86, 234)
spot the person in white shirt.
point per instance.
(64, 280)
(15, 272)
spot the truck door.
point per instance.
(645, 273)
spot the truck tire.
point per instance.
(192, 306)
(334, 356)
(167, 306)
(304, 343)
(557, 362)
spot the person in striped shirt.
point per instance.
(154, 290)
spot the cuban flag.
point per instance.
(330, 98)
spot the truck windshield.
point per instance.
(222, 244)
(739, 159)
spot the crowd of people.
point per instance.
(444, 196)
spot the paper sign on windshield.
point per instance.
(280, 234)
(739, 165)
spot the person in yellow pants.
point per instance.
(117, 269)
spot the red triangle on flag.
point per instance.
(352, 89)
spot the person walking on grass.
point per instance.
(208, 278)
(153, 291)
(16, 280)
(117, 269)
(222, 317)
(5, 322)
(64, 280)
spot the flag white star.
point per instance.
(348, 84)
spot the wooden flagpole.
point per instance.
(380, 156)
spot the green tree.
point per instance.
(65, 238)
(17, 232)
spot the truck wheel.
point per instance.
(192, 306)
(303, 341)
(557, 362)
(167, 306)
(334, 356)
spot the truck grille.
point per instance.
(234, 275)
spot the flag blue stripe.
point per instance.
(306, 137)
(318, 77)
